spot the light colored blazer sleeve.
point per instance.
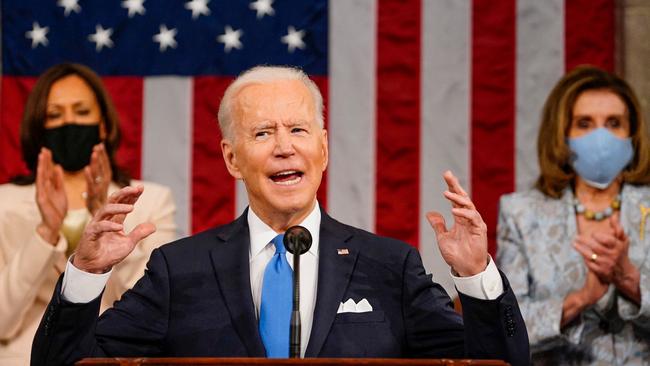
(21, 276)
(636, 200)
(26, 260)
(542, 316)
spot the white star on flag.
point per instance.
(165, 38)
(293, 39)
(134, 7)
(230, 39)
(38, 35)
(198, 8)
(262, 7)
(69, 6)
(101, 37)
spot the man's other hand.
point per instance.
(464, 245)
(104, 242)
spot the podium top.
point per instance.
(282, 362)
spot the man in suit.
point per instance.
(217, 293)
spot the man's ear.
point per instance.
(228, 152)
(325, 148)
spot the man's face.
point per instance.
(277, 148)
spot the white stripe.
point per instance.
(351, 172)
(445, 105)
(167, 140)
(540, 63)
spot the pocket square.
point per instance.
(363, 306)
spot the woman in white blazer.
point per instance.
(69, 134)
(576, 248)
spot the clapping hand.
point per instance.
(606, 255)
(98, 177)
(104, 242)
(50, 197)
(464, 245)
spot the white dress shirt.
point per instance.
(82, 287)
(261, 252)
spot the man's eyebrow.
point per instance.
(263, 125)
(297, 123)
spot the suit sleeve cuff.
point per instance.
(82, 287)
(486, 285)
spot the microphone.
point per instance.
(297, 240)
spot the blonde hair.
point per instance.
(265, 74)
(553, 152)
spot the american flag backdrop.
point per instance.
(412, 88)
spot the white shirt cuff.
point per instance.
(82, 287)
(486, 285)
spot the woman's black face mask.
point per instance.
(72, 144)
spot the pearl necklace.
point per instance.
(580, 209)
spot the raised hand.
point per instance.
(104, 242)
(50, 197)
(464, 245)
(98, 177)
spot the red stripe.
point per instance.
(126, 93)
(14, 95)
(590, 33)
(213, 189)
(398, 120)
(493, 107)
(323, 85)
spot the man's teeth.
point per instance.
(290, 181)
(288, 172)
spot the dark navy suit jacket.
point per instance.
(195, 300)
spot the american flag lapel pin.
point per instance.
(343, 251)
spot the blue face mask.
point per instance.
(600, 156)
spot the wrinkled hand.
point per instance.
(50, 197)
(593, 289)
(104, 242)
(611, 259)
(612, 262)
(98, 178)
(464, 246)
(575, 302)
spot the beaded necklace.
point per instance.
(580, 209)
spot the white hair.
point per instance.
(265, 74)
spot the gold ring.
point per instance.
(594, 257)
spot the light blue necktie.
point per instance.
(275, 310)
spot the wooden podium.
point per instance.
(283, 362)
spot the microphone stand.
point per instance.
(297, 240)
(294, 332)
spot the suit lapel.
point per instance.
(334, 273)
(561, 251)
(231, 264)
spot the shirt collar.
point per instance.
(261, 234)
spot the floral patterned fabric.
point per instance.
(535, 236)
